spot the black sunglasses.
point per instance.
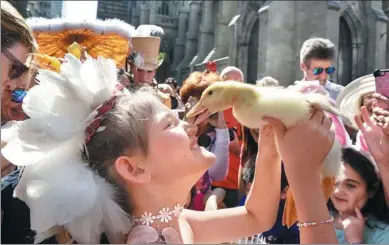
(17, 67)
(329, 70)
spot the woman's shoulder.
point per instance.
(376, 232)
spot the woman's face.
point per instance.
(255, 134)
(350, 192)
(367, 100)
(9, 109)
(173, 151)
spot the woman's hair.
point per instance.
(248, 172)
(14, 29)
(249, 147)
(376, 206)
(126, 132)
(196, 83)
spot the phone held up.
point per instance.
(382, 84)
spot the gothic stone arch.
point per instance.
(246, 23)
(353, 20)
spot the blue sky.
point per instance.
(79, 9)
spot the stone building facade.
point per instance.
(45, 9)
(264, 37)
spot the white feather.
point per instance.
(149, 30)
(59, 188)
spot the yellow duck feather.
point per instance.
(251, 103)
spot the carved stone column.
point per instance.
(179, 50)
(205, 44)
(227, 11)
(153, 12)
(192, 34)
(144, 13)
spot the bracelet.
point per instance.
(306, 224)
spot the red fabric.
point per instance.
(101, 113)
(231, 182)
(211, 66)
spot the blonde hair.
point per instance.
(14, 29)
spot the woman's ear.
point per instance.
(131, 169)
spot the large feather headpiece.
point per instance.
(108, 38)
(60, 189)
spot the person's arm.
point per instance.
(219, 170)
(213, 199)
(311, 207)
(258, 214)
(302, 160)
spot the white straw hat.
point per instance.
(349, 100)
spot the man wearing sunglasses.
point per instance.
(316, 62)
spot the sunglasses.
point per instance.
(17, 95)
(17, 67)
(329, 70)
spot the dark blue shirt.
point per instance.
(279, 234)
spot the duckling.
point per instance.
(251, 103)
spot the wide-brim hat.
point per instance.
(109, 38)
(145, 52)
(349, 100)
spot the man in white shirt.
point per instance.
(316, 62)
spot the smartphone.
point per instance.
(382, 82)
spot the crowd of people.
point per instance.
(95, 150)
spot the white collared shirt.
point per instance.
(333, 89)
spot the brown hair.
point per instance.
(196, 83)
(317, 48)
(14, 28)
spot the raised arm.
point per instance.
(260, 211)
(219, 171)
(302, 160)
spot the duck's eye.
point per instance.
(210, 92)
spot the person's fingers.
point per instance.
(378, 96)
(380, 112)
(278, 126)
(358, 213)
(318, 116)
(359, 123)
(327, 122)
(385, 128)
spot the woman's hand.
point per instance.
(304, 147)
(353, 228)
(192, 101)
(376, 137)
(218, 120)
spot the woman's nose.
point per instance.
(338, 190)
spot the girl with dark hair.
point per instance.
(358, 202)
(278, 234)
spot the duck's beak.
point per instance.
(200, 111)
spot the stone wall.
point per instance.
(114, 9)
(264, 37)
